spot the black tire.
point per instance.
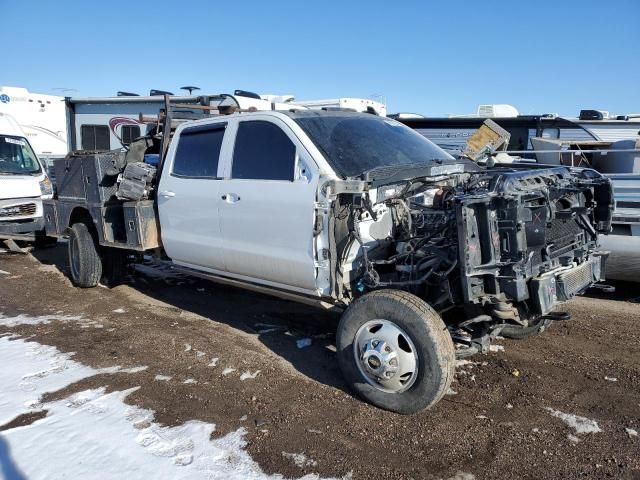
(426, 330)
(84, 260)
(115, 263)
(517, 332)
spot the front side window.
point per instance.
(198, 151)
(17, 157)
(263, 152)
(95, 137)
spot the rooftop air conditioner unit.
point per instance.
(497, 111)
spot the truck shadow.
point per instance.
(302, 335)
(8, 468)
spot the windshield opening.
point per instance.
(16, 157)
(354, 144)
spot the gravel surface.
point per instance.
(556, 406)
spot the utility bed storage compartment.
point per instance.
(141, 224)
(91, 177)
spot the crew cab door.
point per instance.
(188, 197)
(267, 205)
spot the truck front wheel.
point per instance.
(395, 351)
(84, 260)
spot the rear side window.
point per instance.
(263, 152)
(129, 133)
(198, 152)
(95, 137)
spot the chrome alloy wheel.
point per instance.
(386, 356)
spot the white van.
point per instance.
(23, 185)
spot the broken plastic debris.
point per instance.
(187, 347)
(631, 432)
(304, 342)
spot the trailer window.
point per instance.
(198, 152)
(263, 152)
(95, 137)
(129, 133)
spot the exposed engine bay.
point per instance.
(505, 244)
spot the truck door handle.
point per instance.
(167, 193)
(230, 197)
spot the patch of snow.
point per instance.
(133, 369)
(23, 319)
(303, 342)
(200, 354)
(35, 370)
(573, 438)
(248, 375)
(465, 363)
(187, 347)
(300, 459)
(162, 378)
(482, 417)
(190, 380)
(214, 362)
(611, 379)
(119, 310)
(228, 370)
(579, 424)
(96, 435)
(496, 348)
(631, 432)
(451, 392)
(2, 272)
(462, 476)
(509, 406)
(269, 330)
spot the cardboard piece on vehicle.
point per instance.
(489, 138)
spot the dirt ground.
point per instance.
(495, 425)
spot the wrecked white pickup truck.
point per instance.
(350, 211)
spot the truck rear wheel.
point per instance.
(395, 351)
(84, 260)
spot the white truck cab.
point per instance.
(23, 184)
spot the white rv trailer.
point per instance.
(41, 117)
(110, 123)
(598, 125)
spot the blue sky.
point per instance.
(422, 56)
